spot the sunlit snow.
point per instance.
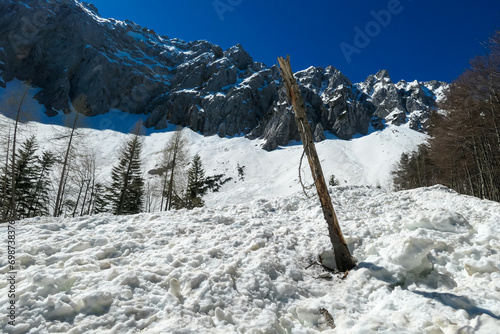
(427, 263)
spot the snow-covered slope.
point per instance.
(428, 262)
(365, 160)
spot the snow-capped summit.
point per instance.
(67, 49)
(402, 103)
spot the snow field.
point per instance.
(366, 160)
(428, 262)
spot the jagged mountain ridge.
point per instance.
(67, 49)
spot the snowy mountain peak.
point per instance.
(383, 75)
(122, 66)
(90, 6)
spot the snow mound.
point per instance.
(428, 262)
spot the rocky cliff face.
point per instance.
(68, 50)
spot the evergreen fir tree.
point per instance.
(401, 173)
(414, 170)
(180, 202)
(40, 198)
(333, 181)
(100, 203)
(241, 172)
(215, 182)
(196, 184)
(127, 187)
(6, 190)
(26, 177)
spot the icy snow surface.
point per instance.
(427, 263)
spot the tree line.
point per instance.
(464, 150)
(42, 183)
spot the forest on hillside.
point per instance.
(67, 181)
(464, 150)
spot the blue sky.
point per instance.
(423, 40)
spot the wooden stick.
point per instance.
(342, 256)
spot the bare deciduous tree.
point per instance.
(80, 106)
(173, 165)
(83, 181)
(464, 151)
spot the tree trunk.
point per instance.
(33, 204)
(168, 206)
(87, 187)
(164, 188)
(126, 180)
(77, 201)
(63, 192)
(343, 258)
(173, 165)
(65, 164)
(91, 200)
(5, 204)
(493, 107)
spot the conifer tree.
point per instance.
(40, 198)
(215, 182)
(6, 191)
(127, 187)
(414, 170)
(25, 178)
(333, 181)
(18, 117)
(400, 174)
(196, 184)
(99, 202)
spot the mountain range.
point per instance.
(68, 50)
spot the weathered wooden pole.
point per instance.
(342, 256)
